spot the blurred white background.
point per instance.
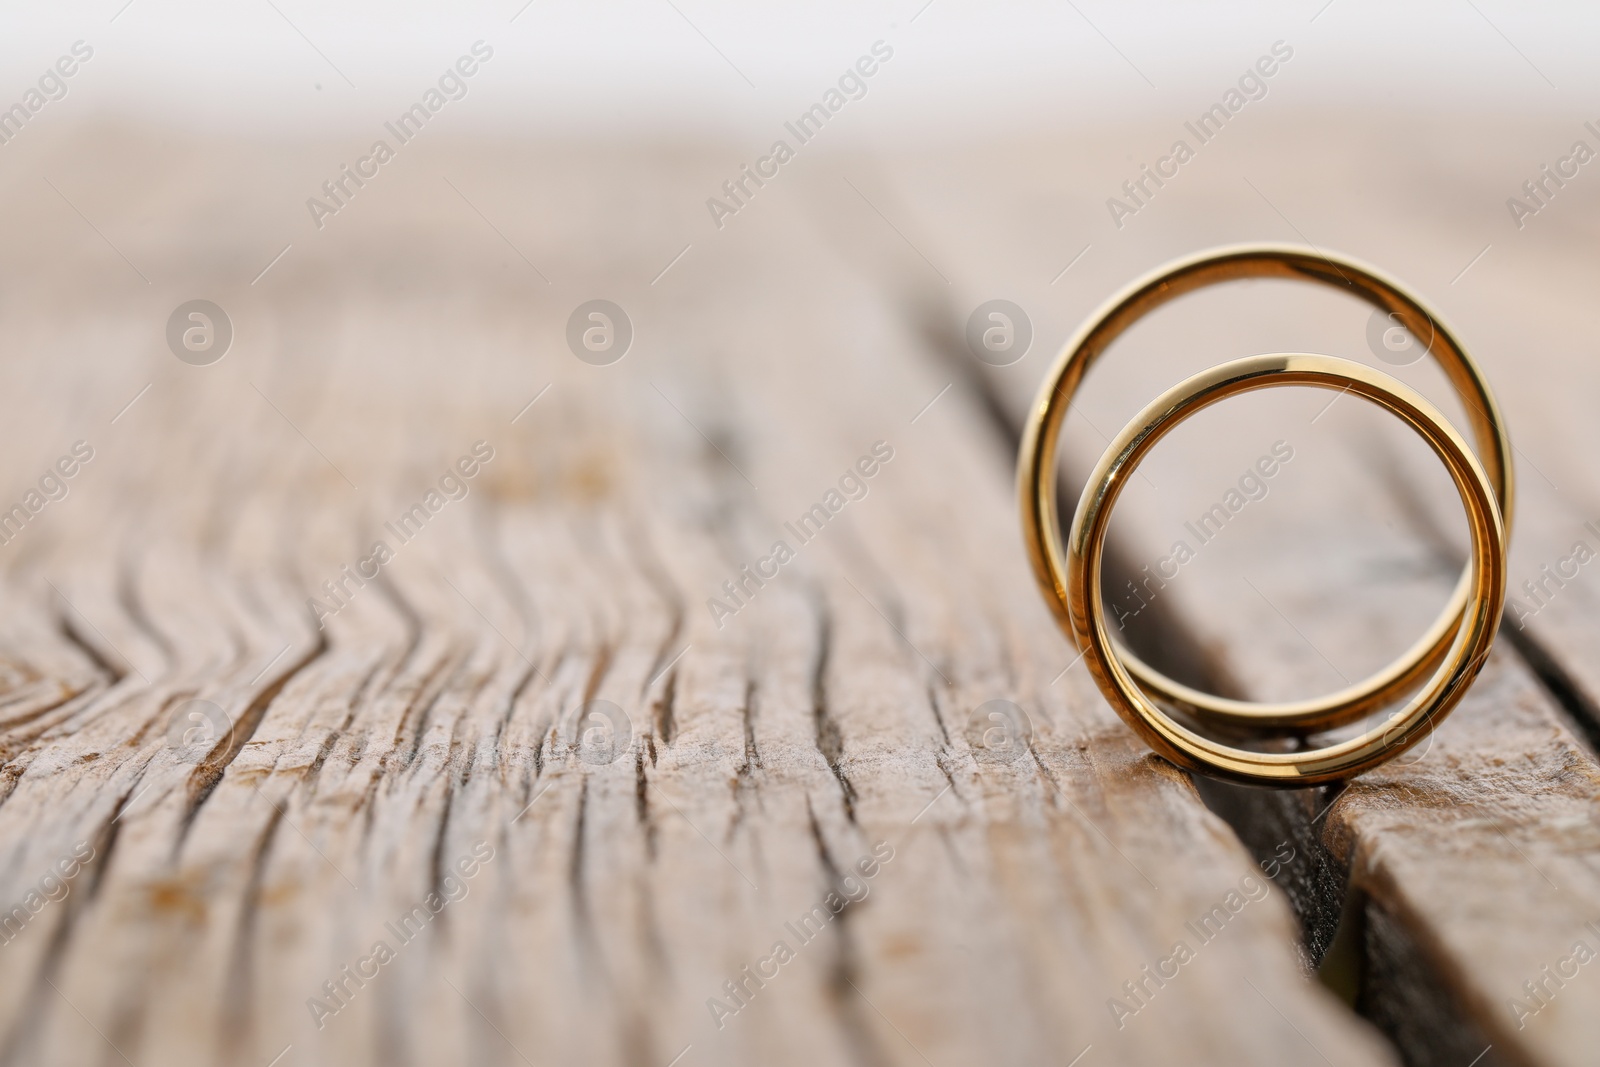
(669, 66)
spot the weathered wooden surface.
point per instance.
(438, 712)
(1473, 865)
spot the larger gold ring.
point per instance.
(1037, 466)
(1469, 648)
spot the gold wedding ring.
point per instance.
(1464, 657)
(1426, 682)
(1038, 483)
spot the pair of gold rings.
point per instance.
(1426, 682)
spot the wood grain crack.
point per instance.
(852, 1016)
(208, 773)
(69, 631)
(829, 740)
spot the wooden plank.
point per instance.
(436, 716)
(1470, 867)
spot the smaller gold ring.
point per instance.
(1423, 711)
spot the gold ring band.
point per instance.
(1467, 650)
(1041, 438)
